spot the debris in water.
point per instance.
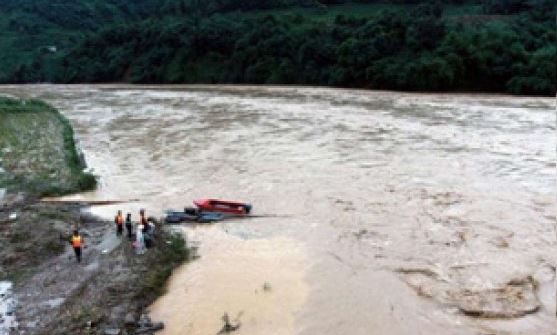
(266, 287)
(516, 299)
(228, 326)
(424, 271)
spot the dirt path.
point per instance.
(111, 286)
(62, 277)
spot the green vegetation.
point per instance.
(38, 153)
(171, 251)
(33, 32)
(463, 45)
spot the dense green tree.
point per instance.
(537, 76)
(411, 46)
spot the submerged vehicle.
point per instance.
(223, 206)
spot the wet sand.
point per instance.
(403, 213)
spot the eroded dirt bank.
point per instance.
(53, 294)
(403, 213)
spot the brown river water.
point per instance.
(388, 213)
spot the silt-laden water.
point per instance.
(395, 213)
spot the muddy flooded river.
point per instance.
(389, 213)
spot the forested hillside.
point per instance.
(490, 45)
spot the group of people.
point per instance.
(144, 233)
(119, 220)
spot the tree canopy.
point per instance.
(492, 45)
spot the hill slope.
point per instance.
(493, 45)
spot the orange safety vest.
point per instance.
(76, 241)
(119, 220)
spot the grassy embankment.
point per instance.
(37, 158)
(38, 154)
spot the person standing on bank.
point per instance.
(129, 225)
(140, 232)
(119, 220)
(142, 217)
(139, 239)
(77, 244)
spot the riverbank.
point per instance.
(38, 157)
(39, 154)
(106, 293)
(53, 294)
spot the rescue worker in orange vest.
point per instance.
(77, 244)
(119, 220)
